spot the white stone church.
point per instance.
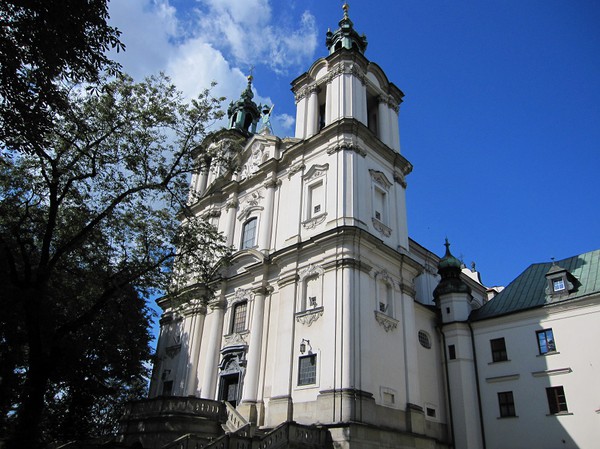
(332, 328)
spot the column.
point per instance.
(250, 393)
(384, 121)
(312, 114)
(197, 313)
(266, 219)
(229, 230)
(209, 377)
(300, 117)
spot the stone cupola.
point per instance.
(346, 36)
(244, 113)
(450, 268)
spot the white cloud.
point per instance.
(211, 44)
(247, 32)
(284, 124)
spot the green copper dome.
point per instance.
(450, 268)
(345, 37)
(244, 113)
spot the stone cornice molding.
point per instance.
(287, 280)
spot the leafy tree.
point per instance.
(44, 43)
(90, 221)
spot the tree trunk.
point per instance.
(29, 414)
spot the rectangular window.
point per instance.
(167, 388)
(558, 284)
(545, 340)
(316, 198)
(557, 401)
(307, 370)
(238, 322)
(498, 350)
(506, 403)
(451, 352)
(379, 205)
(431, 412)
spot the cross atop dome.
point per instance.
(346, 36)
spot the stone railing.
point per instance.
(291, 432)
(170, 405)
(235, 422)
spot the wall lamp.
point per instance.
(303, 344)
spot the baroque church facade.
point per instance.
(331, 327)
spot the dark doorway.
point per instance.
(228, 389)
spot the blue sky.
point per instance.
(501, 117)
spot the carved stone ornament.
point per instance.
(295, 169)
(236, 339)
(315, 221)
(241, 294)
(380, 227)
(309, 271)
(388, 323)
(308, 317)
(347, 147)
(384, 276)
(254, 198)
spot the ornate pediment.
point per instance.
(380, 178)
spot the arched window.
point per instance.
(249, 234)
(238, 317)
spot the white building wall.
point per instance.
(574, 366)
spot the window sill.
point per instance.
(499, 362)
(314, 221)
(307, 317)
(382, 228)
(549, 353)
(560, 414)
(507, 417)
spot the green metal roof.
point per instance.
(528, 290)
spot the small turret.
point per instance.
(345, 37)
(449, 269)
(244, 113)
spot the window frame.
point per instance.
(235, 321)
(506, 404)
(244, 239)
(499, 353)
(302, 380)
(557, 400)
(549, 344)
(452, 352)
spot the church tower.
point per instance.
(325, 315)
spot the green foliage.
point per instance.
(91, 222)
(43, 44)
